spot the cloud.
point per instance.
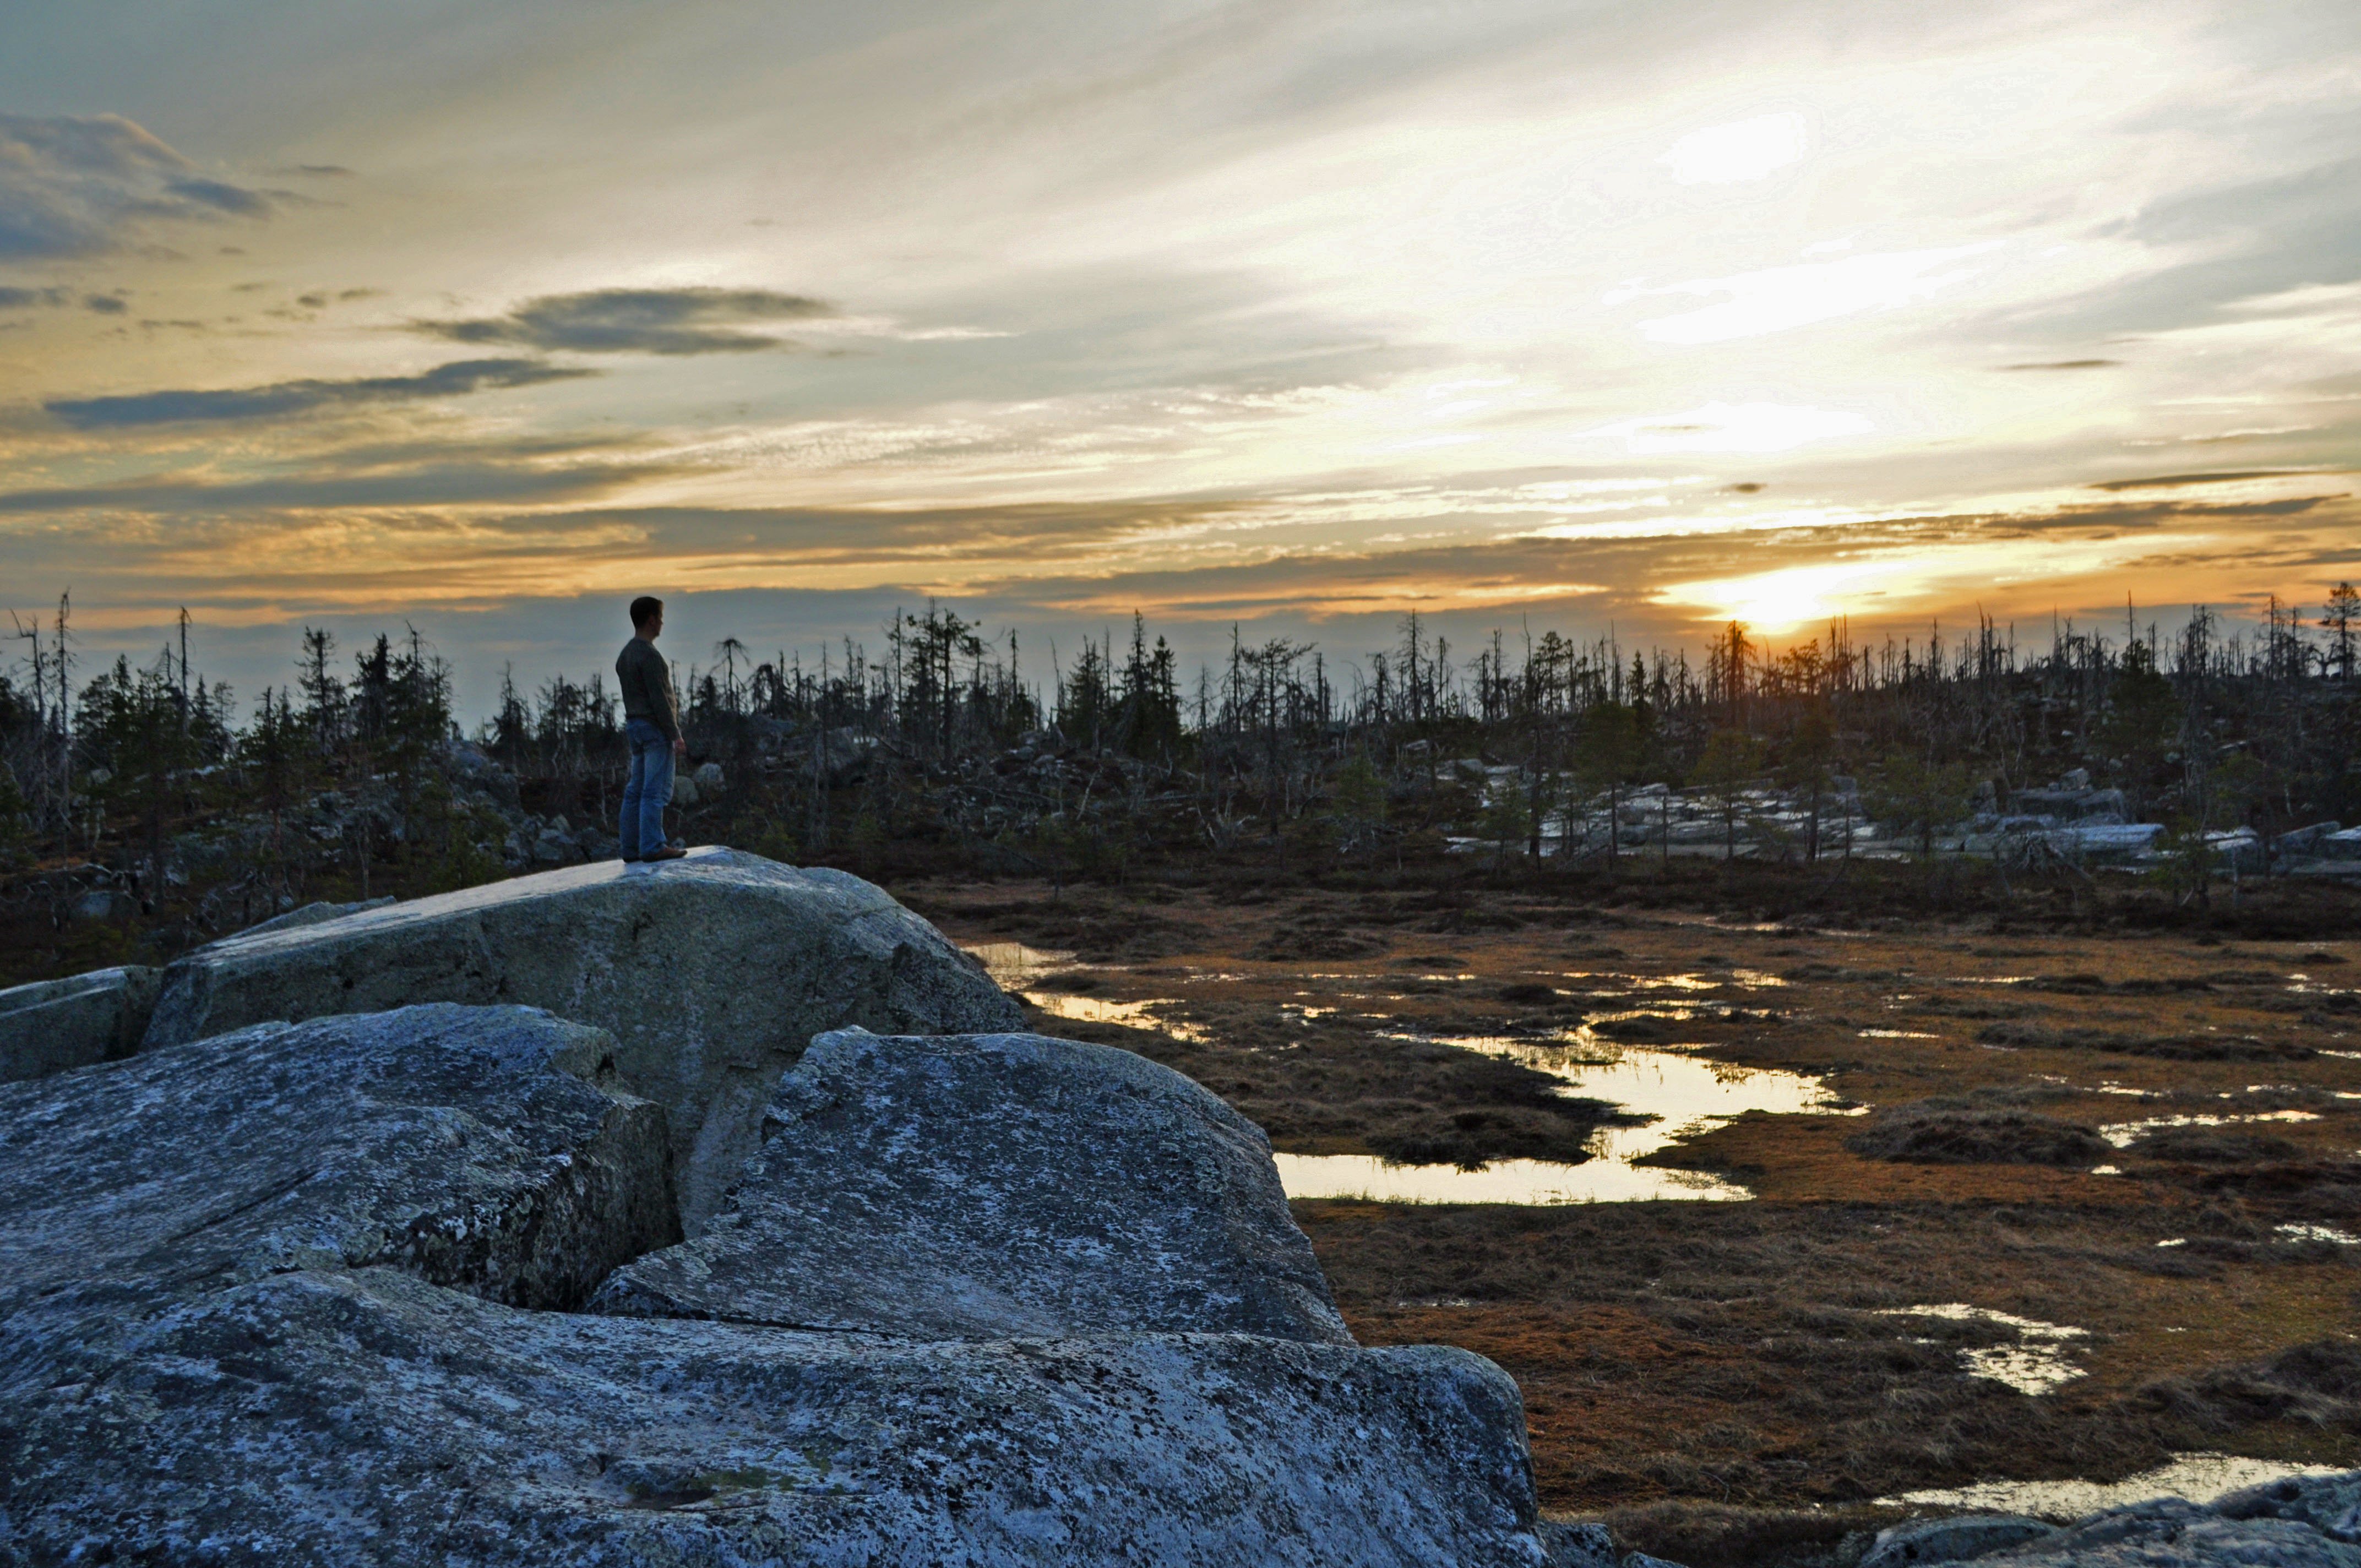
(73, 185)
(1734, 427)
(640, 321)
(2181, 481)
(454, 483)
(2068, 365)
(27, 299)
(105, 304)
(281, 398)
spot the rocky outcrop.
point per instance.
(368, 1417)
(993, 1187)
(2172, 1534)
(301, 1294)
(468, 1145)
(2307, 1522)
(711, 972)
(1951, 1539)
(54, 1024)
(316, 914)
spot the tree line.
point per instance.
(939, 733)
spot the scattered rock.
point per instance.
(1578, 1545)
(2329, 1504)
(53, 1024)
(712, 972)
(993, 1187)
(1952, 1539)
(105, 904)
(2170, 1533)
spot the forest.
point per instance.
(145, 805)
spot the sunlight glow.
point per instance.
(1780, 298)
(1868, 585)
(1741, 150)
(1733, 427)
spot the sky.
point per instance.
(1299, 316)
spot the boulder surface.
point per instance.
(2170, 1533)
(712, 973)
(54, 1024)
(993, 1187)
(469, 1144)
(305, 1294)
(366, 1417)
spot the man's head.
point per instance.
(647, 616)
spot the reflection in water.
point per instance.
(1502, 1181)
(1013, 966)
(2306, 1232)
(2199, 1477)
(1680, 1096)
(1129, 1015)
(2121, 1133)
(2035, 1365)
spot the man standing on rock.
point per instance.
(653, 730)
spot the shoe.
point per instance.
(669, 852)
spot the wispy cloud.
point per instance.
(282, 399)
(458, 481)
(73, 185)
(2068, 365)
(641, 320)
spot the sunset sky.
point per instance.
(485, 317)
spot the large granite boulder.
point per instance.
(366, 1417)
(53, 1024)
(270, 1298)
(993, 1187)
(472, 1145)
(712, 973)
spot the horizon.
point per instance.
(475, 687)
(1286, 317)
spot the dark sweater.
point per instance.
(646, 681)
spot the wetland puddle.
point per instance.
(1502, 1181)
(1679, 1095)
(2199, 1477)
(1667, 1094)
(2035, 1365)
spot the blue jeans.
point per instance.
(646, 789)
